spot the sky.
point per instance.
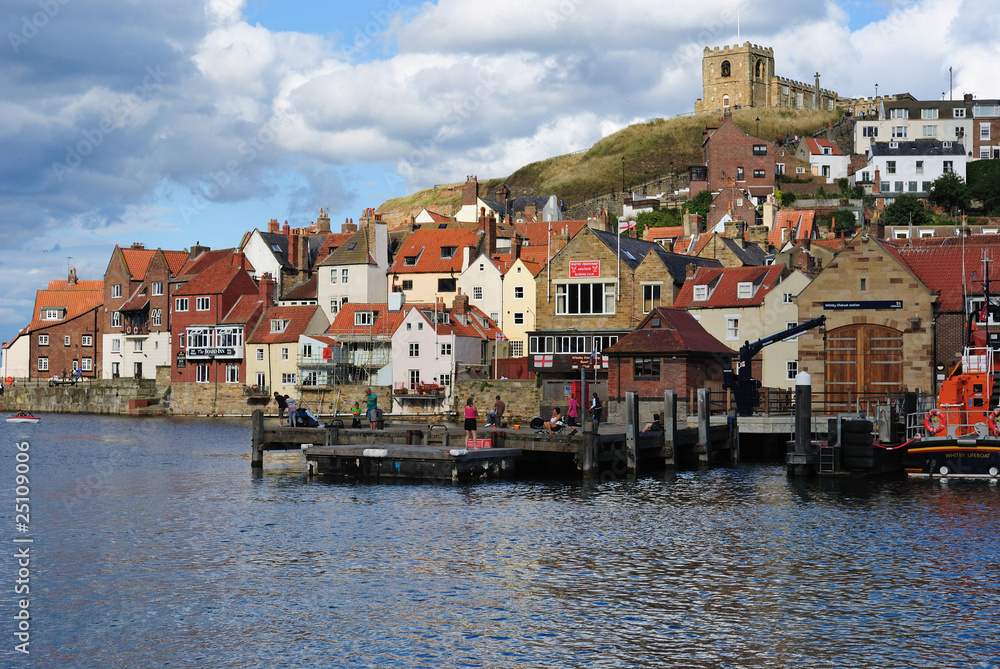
(175, 122)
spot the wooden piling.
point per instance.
(631, 431)
(257, 439)
(704, 438)
(669, 428)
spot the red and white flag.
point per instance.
(625, 226)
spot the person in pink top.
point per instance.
(572, 410)
(470, 423)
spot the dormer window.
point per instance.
(744, 290)
(700, 293)
(364, 317)
(279, 324)
(448, 251)
(410, 260)
(52, 315)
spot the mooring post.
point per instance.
(669, 427)
(704, 416)
(631, 430)
(257, 439)
(589, 463)
(802, 459)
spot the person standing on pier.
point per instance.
(281, 406)
(470, 423)
(595, 411)
(572, 410)
(371, 400)
(292, 410)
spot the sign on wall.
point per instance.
(870, 304)
(579, 269)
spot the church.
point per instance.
(743, 76)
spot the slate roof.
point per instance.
(669, 330)
(918, 147)
(298, 320)
(331, 242)
(426, 245)
(353, 251)
(307, 290)
(723, 286)
(634, 250)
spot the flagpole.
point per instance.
(618, 286)
(548, 262)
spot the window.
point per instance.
(518, 318)
(232, 373)
(76, 365)
(912, 186)
(759, 174)
(864, 284)
(284, 353)
(446, 348)
(51, 315)
(930, 131)
(310, 377)
(66, 340)
(949, 166)
(43, 340)
(885, 187)
(334, 305)
(116, 319)
(928, 113)
(181, 304)
(260, 354)
(920, 167)
(899, 186)
(518, 292)
(984, 131)
(343, 275)
(477, 292)
(446, 379)
(732, 327)
(779, 169)
(86, 340)
(647, 367)
(869, 131)
(517, 349)
(333, 275)
(448, 251)
(585, 298)
(899, 113)
(288, 378)
(800, 170)
(760, 149)
(744, 290)
(201, 373)
(482, 267)
(791, 369)
(137, 346)
(43, 364)
(890, 167)
(958, 112)
(414, 378)
(984, 153)
(926, 186)
(409, 326)
(700, 293)
(180, 340)
(279, 324)
(786, 298)
(650, 297)
(541, 344)
(364, 317)
(414, 350)
(446, 285)
(201, 304)
(116, 345)
(261, 379)
(87, 364)
(410, 260)
(739, 174)
(155, 317)
(157, 287)
(899, 131)
(726, 70)
(495, 316)
(116, 290)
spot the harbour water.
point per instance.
(153, 545)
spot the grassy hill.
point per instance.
(652, 150)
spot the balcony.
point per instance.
(256, 391)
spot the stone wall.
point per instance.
(227, 399)
(523, 398)
(104, 396)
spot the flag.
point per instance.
(625, 226)
(984, 314)
(593, 355)
(500, 336)
(543, 360)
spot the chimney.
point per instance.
(323, 222)
(466, 257)
(734, 229)
(239, 260)
(292, 253)
(690, 271)
(516, 245)
(491, 236)
(72, 276)
(265, 289)
(272, 225)
(877, 184)
(530, 213)
(198, 249)
(460, 305)
(470, 192)
(967, 98)
(284, 229)
(348, 226)
(138, 245)
(302, 256)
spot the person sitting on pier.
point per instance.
(655, 426)
(494, 417)
(555, 423)
(356, 415)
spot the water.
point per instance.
(154, 546)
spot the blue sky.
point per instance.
(183, 121)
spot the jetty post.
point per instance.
(704, 434)
(802, 459)
(257, 439)
(631, 431)
(669, 428)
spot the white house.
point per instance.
(906, 118)
(826, 159)
(356, 270)
(911, 166)
(16, 357)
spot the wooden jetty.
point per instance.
(438, 453)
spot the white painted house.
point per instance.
(910, 167)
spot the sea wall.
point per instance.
(523, 398)
(103, 396)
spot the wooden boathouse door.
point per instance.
(862, 360)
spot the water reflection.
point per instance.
(158, 547)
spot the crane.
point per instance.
(744, 386)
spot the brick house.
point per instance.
(986, 130)
(734, 158)
(136, 321)
(64, 329)
(211, 313)
(879, 333)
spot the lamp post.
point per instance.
(876, 91)
(623, 174)
(758, 126)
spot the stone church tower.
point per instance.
(736, 76)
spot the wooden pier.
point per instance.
(439, 453)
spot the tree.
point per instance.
(905, 206)
(987, 191)
(699, 204)
(844, 220)
(950, 191)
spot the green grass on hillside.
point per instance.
(652, 150)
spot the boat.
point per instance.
(960, 438)
(21, 417)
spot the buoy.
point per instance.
(935, 422)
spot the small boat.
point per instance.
(21, 417)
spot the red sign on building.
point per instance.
(584, 268)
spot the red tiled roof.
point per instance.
(211, 281)
(677, 332)
(426, 245)
(175, 260)
(439, 218)
(244, 311)
(471, 327)
(298, 320)
(536, 233)
(331, 243)
(74, 301)
(799, 221)
(385, 323)
(535, 255)
(724, 286)
(655, 234)
(203, 261)
(137, 260)
(940, 269)
(816, 147)
(89, 284)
